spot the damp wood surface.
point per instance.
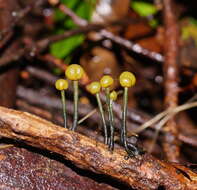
(22, 169)
(143, 172)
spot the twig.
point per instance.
(5, 39)
(170, 69)
(62, 66)
(39, 46)
(19, 15)
(42, 75)
(167, 113)
(188, 139)
(134, 47)
(117, 39)
(59, 63)
(36, 48)
(6, 60)
(144, 172)
(81, 30)
(3, 146)
(37, 98)
(77, 20)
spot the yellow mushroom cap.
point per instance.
(127, 79)
(106, 81)
(94, 87)
(61, 84)
(74, 72)
(113, 95)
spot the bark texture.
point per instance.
(144, 172)
(8, 78)
(171, 70)
(21, 169)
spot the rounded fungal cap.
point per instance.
(106, 81)
(127, 79)
(94, 87)
(74, 72)
(61, 84)
(113, 95)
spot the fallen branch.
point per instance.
(135, 116)
(144, 172)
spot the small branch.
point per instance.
(20, 15)
(37, 98)
(42, 75)
(135, 116)
(36, 48)
(144, 172)
(77, 20)
(5, 39)
(81, 30)
(6, 60)
(170, 69)
(134, 47)
(39, 46)
(117, 39)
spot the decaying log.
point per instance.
(143, 172)
(21, 169)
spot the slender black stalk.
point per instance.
(107, 93)
(124, 114)
(64, 107)
(103, 117)
(111, 143)
(76, 99)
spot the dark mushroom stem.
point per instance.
(123, 128)
(107, 93)
(111, 143)
(103, 117)
(64, 107)
(76, 99)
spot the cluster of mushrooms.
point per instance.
(74, 73)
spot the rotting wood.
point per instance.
(8, 77)
(27, 170)
(144, 172)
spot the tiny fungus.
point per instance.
(106, 82)
(62, 85)
(75, 72)
(113, 97)
(127, 80)
(94, 88)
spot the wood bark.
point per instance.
(22, 169)
(171, 143)
(143, 172)
(8, 78)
